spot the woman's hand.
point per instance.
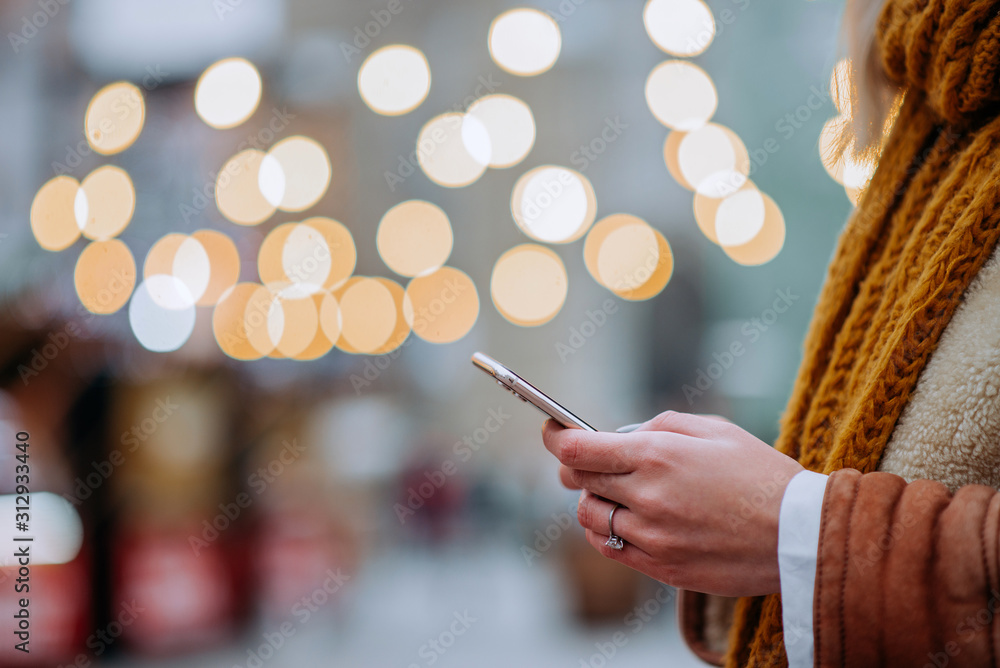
(700, 496)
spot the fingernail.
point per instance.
(628, 428)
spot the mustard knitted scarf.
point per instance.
(926, 225)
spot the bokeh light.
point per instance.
(441, 307)
(368, 315)
(739, 217)
(58, 535)
(840, 86)
(224, 264)
(671, 151)
(525, 42)
(331, 320)
(114, 118)
(394, 80)
(180, 252)
(271, 258)
(206, 262)
(104, 203)
(844, 166)
(414, 238)
(105, 276)
(714, 160)
(192, 267)
(53, 220)
(443, 149)
(510, 125)
(343, 253)
(227, 93)
(553, 204)
(767, 243)
(680, 27)
(162, 313)
(327, 332)
(705, 209)
(296, 324)
(681, 95)
(628, 256)
(160, 258)
(402, 329)
(829, 141)
(294, 174)
(300, 259)
(529, 285)
(237, 190)
(229, 322)
(263, 320)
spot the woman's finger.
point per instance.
(688, 424)
(630, 555)
(617, 486)
(566, 477)
(591, 450)
(592, 512)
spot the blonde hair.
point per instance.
(873, 96)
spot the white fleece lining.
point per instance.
(950, 429)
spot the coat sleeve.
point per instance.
(907, 574)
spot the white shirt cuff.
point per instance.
(798, 547)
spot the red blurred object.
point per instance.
(297, 550)
(59, 610)
(187, 597)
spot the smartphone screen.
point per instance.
(528, 393)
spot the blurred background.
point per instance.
(248, 246)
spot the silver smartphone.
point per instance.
(528, 393)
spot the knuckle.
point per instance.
(666, 419)
(569, 450)
(650, 458)
(649, 503)
(583, 513)
(619, 464)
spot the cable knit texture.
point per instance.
(922, 232)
